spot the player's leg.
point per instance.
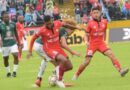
(82, 67)
(5, 53)
(64, 65)
(14, 51)
(42, 67)
(115, 62)
(40, 73)
(20, 49)
(89, 53)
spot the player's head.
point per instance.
(20, 19)
(96, 12)
(5, 17)
(48, 22)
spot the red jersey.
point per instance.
(96, 30)
(20, 30)
(49, 37)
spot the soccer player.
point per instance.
(64, 32)
(50, 37)
(39, 50)
(95, 41)
(20, 31)
(9, 45)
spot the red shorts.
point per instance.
(102, 47)
(52, 53)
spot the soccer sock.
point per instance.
(7, 69)
(15, 68)
(61, 72)
(116, 65)
(42, 68)
(57, 71)
(80, 69)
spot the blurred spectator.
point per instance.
(76, 2)
(56, 12)
(77, 14)
(39, 6)
(85, 19)
(3, 6)
(26, 2)
(12, 11)
(28, 17)
(49, 8)
(61, 2)
(127, 6)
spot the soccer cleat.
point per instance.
(75, 77)
(68, 85)
(124, 72)
(38, 83)
(8, 74)
(14, 74)
(60, 84)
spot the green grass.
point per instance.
(99, 75)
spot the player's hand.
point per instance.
(25, 38)
(20, 46)
(76, 54)
(87, 43)
(29, 55)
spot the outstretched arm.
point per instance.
(34, 37)
(86, 39)
(66, 47)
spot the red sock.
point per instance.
(61, 72)
(80, 70)
(117, 65)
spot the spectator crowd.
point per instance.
(112, 9)
(35, 10)
(32, 10)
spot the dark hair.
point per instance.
(96, 8)
(47, 18)
(3, 13)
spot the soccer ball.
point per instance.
(52, 80)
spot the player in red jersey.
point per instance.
(20, 31)
(95, 40)
(50, 37)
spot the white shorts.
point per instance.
(38, 48)
(11, 49)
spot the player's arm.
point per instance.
(86, 38)
(66, 47)
(17, 38)
(72, 27)
(87, 33)
(64, 43)
(34, 37)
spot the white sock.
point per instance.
(7, 69)
(42, 68)
(57, 71)
(15, 68)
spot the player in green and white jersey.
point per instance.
(9, 39)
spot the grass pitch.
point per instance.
(99, 75)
